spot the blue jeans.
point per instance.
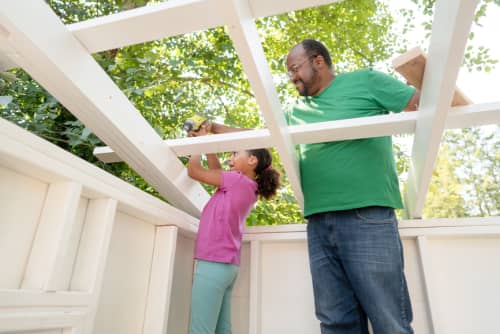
(211, 298)
(356, 261)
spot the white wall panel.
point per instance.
(123, 296)
(21, 202)
(76, 233)
(287, 299)
(180, 299)
(466, 276)
(416, 286)
(241, 297)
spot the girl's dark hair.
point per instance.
(268, 178)
(315, 48)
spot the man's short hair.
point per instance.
(314, 48)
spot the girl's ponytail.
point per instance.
(268, 178)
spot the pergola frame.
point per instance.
(59, 58)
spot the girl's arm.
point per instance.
(208, 176)
(213, 161)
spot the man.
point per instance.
(350, 192)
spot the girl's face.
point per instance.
(242, 161)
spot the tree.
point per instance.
(477, 153)
(444, 198)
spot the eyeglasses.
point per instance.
(295, 68)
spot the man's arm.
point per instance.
(414, 102)
(217, 128)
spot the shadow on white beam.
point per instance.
(375, 126)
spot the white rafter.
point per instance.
(170, 18)
(245, 37)
(450, 29)
(148, 23)
(375, 126)
(62, 65)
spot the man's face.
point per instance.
(301, 71)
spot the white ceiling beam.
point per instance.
(148, 23)
(366, 127)
(262, 8)
(6, 63)
(245, 37)
(450, 29)
(53, 57)
(168, 19)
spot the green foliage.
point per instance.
(444, 198)
(475, 153)
(476, 57)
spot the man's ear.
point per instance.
(319, 60)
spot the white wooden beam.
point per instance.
(35, 298)
(6, 63)
(93, 253)
(473, 115)
(450, 29)
(62, 65)
(93, 246)
(160, 282)
(255, 318)
(261, 8)
(170, 18)
(31, 320)
(430, 296)
(375, 126)
(148, 23)
(245, 37)
(52, 237)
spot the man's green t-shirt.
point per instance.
(350, 174)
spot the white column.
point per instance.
(92, 254)
(160, 284)
(450, 29)
(243, 32)
(52, 237)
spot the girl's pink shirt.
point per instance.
(223, 219)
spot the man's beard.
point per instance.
(306, 86)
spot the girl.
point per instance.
(218, 244)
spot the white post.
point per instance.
(52, 237)
(92, 253)
(243, 32)
(450, 29)
(160, 283)
(255, 287)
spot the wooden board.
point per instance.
(411, 66)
